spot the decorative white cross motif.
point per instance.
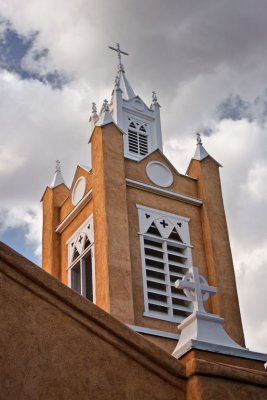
(196, 288)
(119, 52)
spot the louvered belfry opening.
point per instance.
(165, 258)
(137, 139)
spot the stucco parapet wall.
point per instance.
(163, 192)
(198, 367)
(91, 317)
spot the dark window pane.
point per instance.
(76, 278)
(88, 277)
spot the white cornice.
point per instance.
(163, 192)
(70, 217)
(154, 332)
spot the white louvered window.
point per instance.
(81, 260)
(137, 138)
(166, 257)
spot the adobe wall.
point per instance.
(217, 376)
(57, 345)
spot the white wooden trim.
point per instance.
(163, 192)
(70, 217)
(87, 221)
(172, 218)
(160, 212)
(79, 259)
(154, 332)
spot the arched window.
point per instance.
(81, 267)
(137, 139)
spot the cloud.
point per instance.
(207, 62)
(29, 220)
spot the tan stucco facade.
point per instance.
(55, 344)
(118, 272)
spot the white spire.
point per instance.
(127, 108)
(200, 152)
(58, 178)
(121, 82)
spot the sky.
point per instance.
(206, 59)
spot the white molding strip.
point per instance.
(163, 192)
(70, 217)
(154, 332)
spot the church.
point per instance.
(131, 250)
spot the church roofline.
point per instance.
(101, 127)
(52, 188)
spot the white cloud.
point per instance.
(257, 178)
(29, 219)
(251, 280)
(195, 54)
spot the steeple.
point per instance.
(201, 153)
(140, 124)
(58, 178)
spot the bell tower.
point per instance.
(140, 124)
(130, 224)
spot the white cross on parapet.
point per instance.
(202, 330)
(196, 288)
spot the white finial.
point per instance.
(154, 97)
(119, 52)
(94, 116)
(105, 106)
(199, 141)
(117, 82)
(94, 109)
(196, 288)
(58, 169)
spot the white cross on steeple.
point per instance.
(119, 52)
(196, 288)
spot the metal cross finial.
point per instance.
(196, 288)
(119, 52)
(199, 141)
(58, 169)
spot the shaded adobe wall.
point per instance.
(57, 345)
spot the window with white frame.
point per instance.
(137, 137)
(81, 265)
(166, 257)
